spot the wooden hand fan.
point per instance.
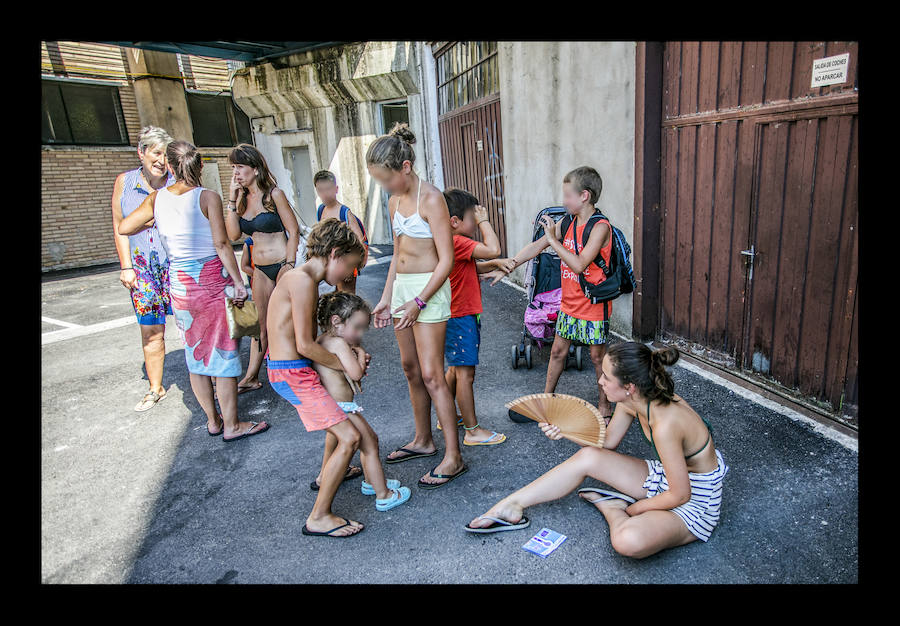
(577, 420)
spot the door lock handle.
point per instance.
(752, 254)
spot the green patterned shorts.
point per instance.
(582, 331)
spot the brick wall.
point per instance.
(76, 193)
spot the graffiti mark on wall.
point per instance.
(495, 166)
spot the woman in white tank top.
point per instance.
(201, 265)
(417, 296)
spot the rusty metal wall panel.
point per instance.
(478, 171)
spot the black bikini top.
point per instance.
(264, 222)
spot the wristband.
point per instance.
(126, 268)
(420, 303)
(481, 222)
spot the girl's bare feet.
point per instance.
(329, 522)
(478, 435)
(505, 509)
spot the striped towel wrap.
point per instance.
(701, 512)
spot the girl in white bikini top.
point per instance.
(413, 226)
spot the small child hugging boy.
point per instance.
(333, 251)
(343, 318)
(463, 336)
(326, 188)
(578, 320)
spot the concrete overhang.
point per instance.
(333, 76)
(247, 51)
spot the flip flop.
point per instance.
(312, 533)
(248, 432)
(212, 434)
(247, 388)
(350, 475)
(518, 417)
(499, 525)
(607, 495)
(487, 442)
(152, 397)
(449, 477)
(409, 454)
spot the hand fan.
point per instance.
(577, 420)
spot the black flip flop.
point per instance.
(423, 485)
(519, 418)
(499, 525)
(248, 433)
(410, 454)
(212, 434)
(313, 533)
(349, 476)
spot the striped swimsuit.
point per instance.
(701, 513)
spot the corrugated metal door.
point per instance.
(469, 125)
(473, 159)
(758, 255)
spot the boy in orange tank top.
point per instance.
(578, 319)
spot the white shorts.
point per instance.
(701, 512)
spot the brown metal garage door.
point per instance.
(758, 267)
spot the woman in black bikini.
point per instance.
(259, 208)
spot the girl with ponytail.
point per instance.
(201, 265)
(661, 503)
(416, 298)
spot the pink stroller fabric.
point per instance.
(540, 315)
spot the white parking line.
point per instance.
(81, 331)
(50, 320)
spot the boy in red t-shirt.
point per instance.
(464, 326)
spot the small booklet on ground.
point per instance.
(545, 542)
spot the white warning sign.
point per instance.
(830, 70)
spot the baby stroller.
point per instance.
(543, 285)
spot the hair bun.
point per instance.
(402, 131)
(666, 356)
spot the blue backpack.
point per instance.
(343, 218)
(619, 277)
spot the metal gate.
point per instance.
(469, 124)
(758, 264)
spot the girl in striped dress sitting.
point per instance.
(664, 502)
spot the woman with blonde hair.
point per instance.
(417, 297)
(202, 264)
(142, 258)
(258, 208)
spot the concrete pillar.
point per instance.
(159, 91)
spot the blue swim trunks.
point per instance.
(462, 340)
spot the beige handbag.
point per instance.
(243, 321)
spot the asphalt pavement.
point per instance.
(150, 498)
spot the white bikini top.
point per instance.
(413, 226)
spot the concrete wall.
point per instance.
(327, 100)
(563, 105)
